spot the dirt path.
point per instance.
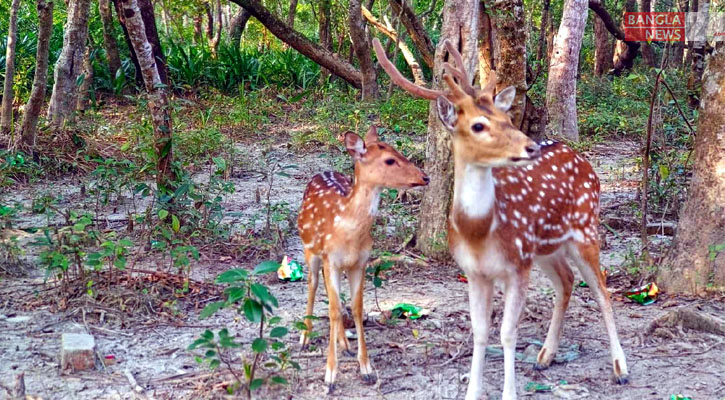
(423, 359)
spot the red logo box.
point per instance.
(654, 26)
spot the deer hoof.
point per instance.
(330, 389)
(349, 353)
(369, 378)
(622, 379)
(540, 366)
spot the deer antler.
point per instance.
(400, 80)
(460, 71)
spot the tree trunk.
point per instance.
(460, 26)
(209, 21)
(292, 13)
(511, 53)
(325, 34)
(697, 52)
(561, 87)
(390, 32)
(137, 68)
(158, 102)
(485, 45)
(695, 264)
(109, 39)
(152, 35)
(85, 86)
(297, 41)
(214, 41)
(6, 109)
(647, 54)
(361, 45)
(416, 30)
(197, 29)
(678, 48)
(544, 29)
(603, 47)
(29, 127)
(69, 65)
(236, 26)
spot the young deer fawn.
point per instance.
(515, 204)
(334, 224)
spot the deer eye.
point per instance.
(478, 127)
(390, 161)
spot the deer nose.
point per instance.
(533, 150)
(426, 179)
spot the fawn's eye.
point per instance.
(478, 127)
(390, 161)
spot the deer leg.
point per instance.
(480, 296)
(515, 297)
(313, 280)
(357, 282)
(558, 271)
(332, 284)
(587, 259)
(341, 337)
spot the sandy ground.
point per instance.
(423, 359)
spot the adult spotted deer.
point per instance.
(515, 204)
(334, 224)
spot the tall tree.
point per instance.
(460, 27)
(37, 94)
(697, 54)
(85, 86)
(510, 53)
(697, 258)
(69, 65)
(416, 29)
(325, 33)
(603, 61)
(109, 38)
(292, 13)
(158, 101)
(6, 109)
(485, 44)
(237, 25)
(149, 19)
(216, 39)
(561, 87)
(299, 42)
(361, 45)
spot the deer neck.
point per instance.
(474, 197)
(362, 203)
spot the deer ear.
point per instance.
(446, 112)
(372, 135)
(355, 145)
(505, 98)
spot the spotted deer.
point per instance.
(515, 204)
(334, 224)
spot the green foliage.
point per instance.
(257, 304)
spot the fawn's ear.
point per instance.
(355, 145)
(446, 112)
(505, 98)
(372, 135)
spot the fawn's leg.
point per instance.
(480, 297)
(313, 278)
(586, 257)
(332, 284)
(357, 282)
(558, 271)
(515, 297)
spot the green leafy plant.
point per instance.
(256, 303)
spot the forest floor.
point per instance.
(426, 358)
